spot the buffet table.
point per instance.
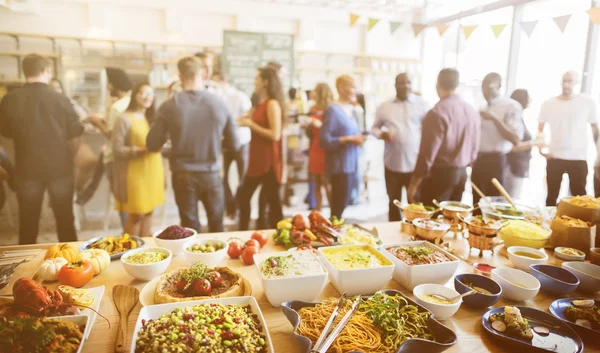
(466, 323)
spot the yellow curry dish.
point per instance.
(355, 257)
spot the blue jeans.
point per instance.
(30, 194)
(191, 187)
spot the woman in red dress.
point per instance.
(323, 96)
(265, 165)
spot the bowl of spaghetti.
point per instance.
(387, 322)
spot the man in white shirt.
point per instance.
(501, 128)
(239, 104)
(398, 122)
(568, 116)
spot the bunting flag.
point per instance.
(594, 14)
(442, 27)
(394, 26)
(353, 19)
(418, 28)
(372, 23)
(468, 30)
(562, 22)
(528, 27)
(498, 29)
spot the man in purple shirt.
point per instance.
(449, 143)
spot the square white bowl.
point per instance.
(78, 320)
(282, 289)
(362, 281)
(154, 311)
(411, 276)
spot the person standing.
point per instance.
(501, 128)
(138, 174)
(44, 127)
(340, 137)
(449, 143)
(398, 122)
(239, 103)
(265, 167)
(198, 124)
(316, 155)
(519, 157)
(568, 116)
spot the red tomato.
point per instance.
(181, 285)
(252, 242)
(248, 254)
(235, 249)
(215, 278)
(260, 237)
(76, 274)
(202, 287)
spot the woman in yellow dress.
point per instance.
(138, 174)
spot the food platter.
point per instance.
(561, 337)
(444, 338)
(116, 256)
(558, 307)
(155, 311)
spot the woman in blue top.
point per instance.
(340, 137)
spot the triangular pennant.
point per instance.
(498, 29)
(353, 19)
(394, 26)
(418, 28)
(468, 30)
(528, 27)
(441, 27)
(594, 14)
(562, 22)
(372, 23)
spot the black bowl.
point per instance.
(444, 337)
(478, 300)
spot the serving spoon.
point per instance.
(454, 299)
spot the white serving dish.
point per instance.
(278, 290)
(440, 311)
(155, 311)
(411, 276)
(361, 281)
(78, 320)
(566, 257)
(588, 274)
(174, 245)
(211, 259)
(506, 277)
(522, 262)
(146, 272)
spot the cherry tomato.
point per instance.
(181, 285)
(215, 278)
(202, 287)
(76, 274)
(252, 242)
(260, 237)
(235, 249)
(248, 254)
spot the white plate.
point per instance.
(154, 311)
(79, 320)
(147, 293)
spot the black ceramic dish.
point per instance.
(561, 339)
(444, 337)
(558, 307)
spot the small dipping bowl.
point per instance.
(555, 280)
(518, 257)
(440, 311)
(478, 300)
(595, 256)
(483, 269)
(560, 254)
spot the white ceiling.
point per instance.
(384, 6)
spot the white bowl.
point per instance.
(146, 272)
(588, 274)
(174, 245)
(507, 277)
(565, 257)
(282, 289)
(522, 262)
(411, 276)
(362, 281)
(440, 311)
(210, 259)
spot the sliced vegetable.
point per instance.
(584, 323)
(499, 326)
(585, 303)
(541, 330)
(82, 297)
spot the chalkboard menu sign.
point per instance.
(244, 52)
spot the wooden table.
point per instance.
(466, 323)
